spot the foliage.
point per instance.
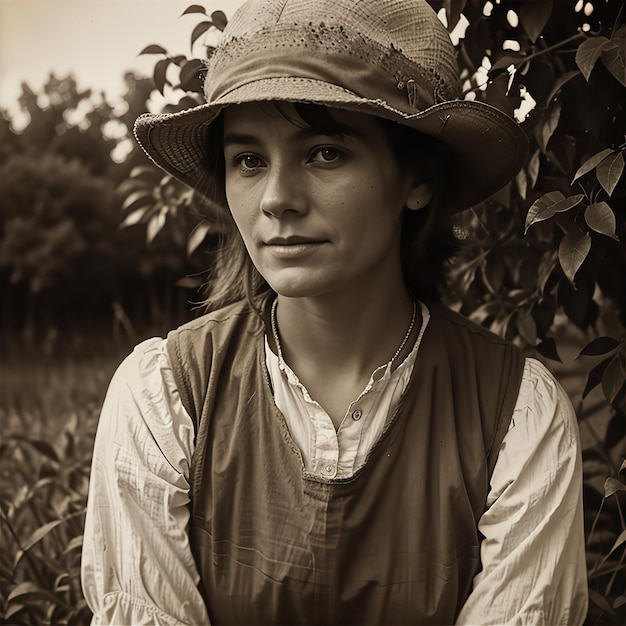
(50, 128)
(42, 519)
(49, 405)
(63, 257)
(152, 198)
(547, 252)
(54, 210)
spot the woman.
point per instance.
(329, 444)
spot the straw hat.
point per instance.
(389, 58)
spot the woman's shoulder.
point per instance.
(451, 325)
(199, 344)
(151, 358)
(146, 358)
(210, 321)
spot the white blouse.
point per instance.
(137, 565)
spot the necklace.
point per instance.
(393, 358)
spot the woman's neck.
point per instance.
(333, 344)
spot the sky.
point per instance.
(95, 40)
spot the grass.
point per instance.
(49, 405)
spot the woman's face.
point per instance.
(319, 213)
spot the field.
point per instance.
(50, 401)
(49, 404)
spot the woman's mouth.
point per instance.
(295, 246)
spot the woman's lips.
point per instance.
(291, 247)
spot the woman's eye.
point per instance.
(326, 155)
(249, 162)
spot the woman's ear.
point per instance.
(419, 196)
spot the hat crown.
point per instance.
(408, 25)
(403, 37)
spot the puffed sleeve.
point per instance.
(137, 566)
(533, 555)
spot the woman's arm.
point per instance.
(137, 566)
(533, 554)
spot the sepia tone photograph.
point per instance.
(312, 312)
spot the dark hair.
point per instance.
(427, 240)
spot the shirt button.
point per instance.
(357, 414)
(329, 469)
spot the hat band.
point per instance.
(358, 65)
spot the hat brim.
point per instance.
(486, 146)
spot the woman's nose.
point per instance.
(283, 192)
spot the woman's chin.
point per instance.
(298, 284)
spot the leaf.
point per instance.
(550, 124)
(600, 601)
(604, 568)
(133, 218)
(601, 218)
(547, 265)
(591, 163)
(595, 376)
(622, 536)
(160, 74)
(613, 380)
(141, 170)
(588, 54)
(43, 447)
(199, 30)
(27, 592)
(197, 236)
(194, 8)
(548, 349)
(611, 486)
(549, 204)
(137, 199)
(567, 203)
(453, 12)
(573, 251)
(155, 225)
(560, 82)
(35, 538)
(599, 346)
(153, 49)
(40, 533)
(534, 16)
(506, 60)
(533, 169)
(12, 610)
(540, 209)
(190, 74)
(179, 59)
(527, 328)
(613, 55)
(74, 544)
(610, 171)
(219, 20)
(500, 325)
(613, 60)
(521, 182)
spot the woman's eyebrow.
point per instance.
(239, 138)
(234, 138)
